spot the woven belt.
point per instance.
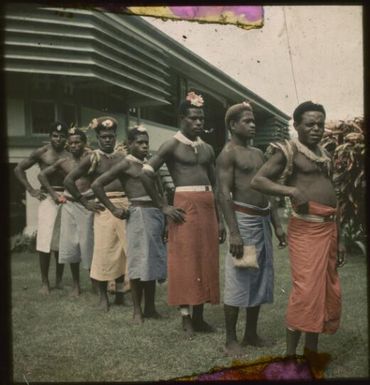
(142, 204)
(71, 199)
(194, 188)
(113, 195)
(251, 211)
(55, 188)
(314, 218)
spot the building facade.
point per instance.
(74, 64)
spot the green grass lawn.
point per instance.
(59, 338)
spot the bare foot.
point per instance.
(187, 326)
(137, 318)
(119, 299)
(203, 327)
(256, 341)
(45, 289)
(76, 291)
(233, 349)
(58, 285)
(153, 314)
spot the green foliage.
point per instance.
(345, 141)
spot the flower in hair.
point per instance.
(107, 123)
(141, 128)
(94, 123)
(194, 99)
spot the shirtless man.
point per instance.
(48, 208)
(193, 230)
(109, 258)
(146, 250)
(76, 232)
(315, 249)
(248, 214)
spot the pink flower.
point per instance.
(194, 99)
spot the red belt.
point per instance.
(250, 211)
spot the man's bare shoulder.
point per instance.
(168, 147)
(257, 151)
(119, 155)
(227, 154)
(39, 152)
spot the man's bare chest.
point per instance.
(303, 165)
(247, 162)
(191, 157)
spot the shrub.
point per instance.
(345, 141)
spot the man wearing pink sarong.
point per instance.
(315, 249)
(193, 231)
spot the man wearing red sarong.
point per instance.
(315, 249)
(193, 232)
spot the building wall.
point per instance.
(15, 117)
(32, 204)
(158, 133)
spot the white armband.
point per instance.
(148, 168)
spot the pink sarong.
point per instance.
(193, 255)
(315, 300)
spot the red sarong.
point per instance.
(315, 300)
(193, 255)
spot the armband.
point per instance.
(148, 168)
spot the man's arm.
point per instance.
(276, 223)
(341, 252)
(224, 175)
(70, 184)
(44, 180)
(106, 178)
(20, 173)
(212, 178)
(264, 180)
(147, 177)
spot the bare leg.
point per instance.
(104, 301)
(232, 347)
(311, 341)
(136, 292)
(199, 325)
(186, 320)
(44, 259)
(250, 334)
(59, 272)
(119, 299)
(75, 270)
(292, 339)
(94, 285)
(149, 297)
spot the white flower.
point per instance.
(59, 127)
(141, 128)
(94, 123)
(107, 123)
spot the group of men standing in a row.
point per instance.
(113, 205)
